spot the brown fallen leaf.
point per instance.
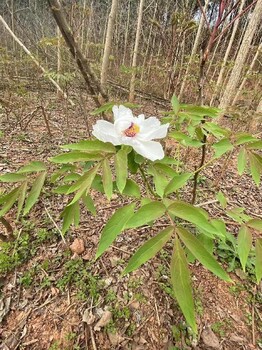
(78, 246)
(115, 338)
(104, 320)
(88, 317)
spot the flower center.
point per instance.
(132, 130)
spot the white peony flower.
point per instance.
(137, 132)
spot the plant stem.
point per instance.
(146, 181)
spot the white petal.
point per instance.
(157, 132)
(122, 124)
(122, 112)
(141, 117)
(150, 123)
(105, 131)
(149, 149)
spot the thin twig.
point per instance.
(55, 224)
(146, 181)
(92, 338)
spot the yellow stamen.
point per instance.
(132, 130)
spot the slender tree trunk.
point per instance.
(194, 50)
(247, 74)
(126, 32)
(58, 56)
(108, 43)
(134, 62)
(242, 55)
(232, 37)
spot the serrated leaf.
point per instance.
(32, 167)
(222, 199)
(121, 169)
(255, 223)
(12, 177)
(175, 104)
(72, 157)
(258, 261)
(149, 249)
(35, 192)
(188, 212)
(148, 212)
(107, 178)
(10, 199)
(21, 198)
(244, 244)
(177, 182)
(94, 146)
(221, 147)
(132, 189)
(89, 203)
(180, 278)
(114, 227)
(200, 252)
(241, 161)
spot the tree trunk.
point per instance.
(232, 37)
(241, 57)
(108, 43)
(194, 50)
(87, 72)
(134, 62)
(247, 74)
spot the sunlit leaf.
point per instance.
(121, 169)
(34, 166)
(114, 226)
(180, 278)
(244, 244)
(35, 192)
(258, 261)
(241, 161)
(12, 177)
(149, 249)
(107, 178)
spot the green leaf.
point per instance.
(107, 178)
(72, 177)
(89, 203)
(21, 199)
(200, 252)
(114, 227)
(63, 189)
(175, 104)
(160, 180)
(132, 189)
(255, 223)
(12, 177)
(244, 244)
(94, 146)
(78, 184)
(177, 182)
(32, 167)
(255, 145)
(216, 130)
(10, 199)
(241, 161)
(69, 215)
(86, 183)
(222, 199)
(255, 167)
(180, 278)
(71, 157)
(258, 261)
(106, 107)
(149, 249)
(148, 212)
(188, 212)
(222, 147)
(35, 192)
(121, 169)
(242, 138)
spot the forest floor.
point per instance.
(53, 294)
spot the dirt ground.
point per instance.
(57, 296)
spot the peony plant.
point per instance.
(126, 160)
